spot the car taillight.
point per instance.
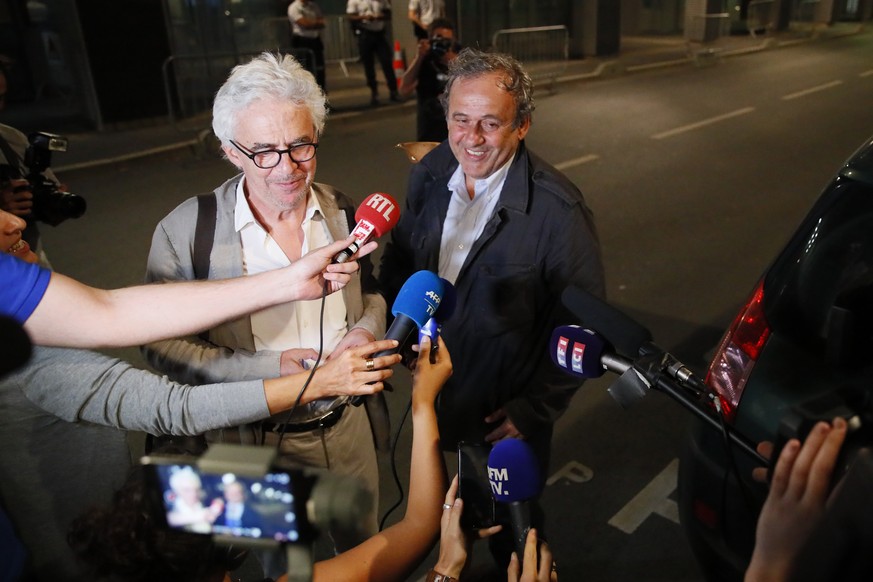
(738, 352)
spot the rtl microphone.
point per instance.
(416, 302)
(514, 474)
(376, 215)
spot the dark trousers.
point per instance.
(317, 48)
(372, 46)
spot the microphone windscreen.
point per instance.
(380, 210)
(513, 471)
(16, 345)
(577, 351)
(419, 298)
(447, 305)
(624, 333)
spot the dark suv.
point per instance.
(803, 340)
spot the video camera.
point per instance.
(274, 503)
(439, 46)
(50, 204)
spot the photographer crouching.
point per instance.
(28, 187)
(427, 76)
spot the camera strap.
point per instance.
(13, 160)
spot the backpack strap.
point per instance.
(204, 234)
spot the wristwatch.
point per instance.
(434, 576)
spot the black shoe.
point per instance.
(395, 97)
(374, 101)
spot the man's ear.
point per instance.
(233, 155)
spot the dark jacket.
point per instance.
(540, 239)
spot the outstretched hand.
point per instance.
(308, 275)
(454, 541)
(540, 568)
(798, 495)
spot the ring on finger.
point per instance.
(447, 506)
(370, 364)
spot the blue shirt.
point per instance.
(22, 286)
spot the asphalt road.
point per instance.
(696, 177)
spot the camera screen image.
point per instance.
(227, 504)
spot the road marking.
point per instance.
(576, 162)
(703, 123)
(573, 471)
(866, 73)
(815, 89)
(652, 499)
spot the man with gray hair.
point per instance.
(269, 116)
(510, 232)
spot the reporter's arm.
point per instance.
(74, 314)
(394, 553)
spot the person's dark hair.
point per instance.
(471, 63)
(440, 23)
(129, 542)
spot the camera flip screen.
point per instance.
(229, 505)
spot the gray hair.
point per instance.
(471, 63)
(266, 76)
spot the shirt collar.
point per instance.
(243, 215)
(484, 187)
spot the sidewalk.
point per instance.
(349, 96)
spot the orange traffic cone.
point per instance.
(399, 62)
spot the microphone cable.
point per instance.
(394, 466)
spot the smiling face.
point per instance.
(274, 124)
(480, 118)
(11, 242)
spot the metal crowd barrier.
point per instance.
(544, 50)
(191, 81)
(340, 44)
(759, 16)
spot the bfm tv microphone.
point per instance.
(514, 474)
(433, 326)
(416, 302)
(376, 215)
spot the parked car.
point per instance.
(800, 347)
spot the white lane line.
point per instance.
(704, 123)
(576, 162)
(866, 73)
(654, 498)
(815, 89)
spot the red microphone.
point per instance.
(376, 215)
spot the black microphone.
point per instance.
(514, 474)
(376, 215)
(16, 345)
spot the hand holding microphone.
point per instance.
(376, 215)
(514, 474)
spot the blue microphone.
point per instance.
(514, 474)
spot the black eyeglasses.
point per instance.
(266, 159)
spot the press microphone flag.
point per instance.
(376, 215)
(433, 326)
(577, 351)
(514, 474)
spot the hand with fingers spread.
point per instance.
(354, 372)
(454, 542)
(537, 568)
(798, 494)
